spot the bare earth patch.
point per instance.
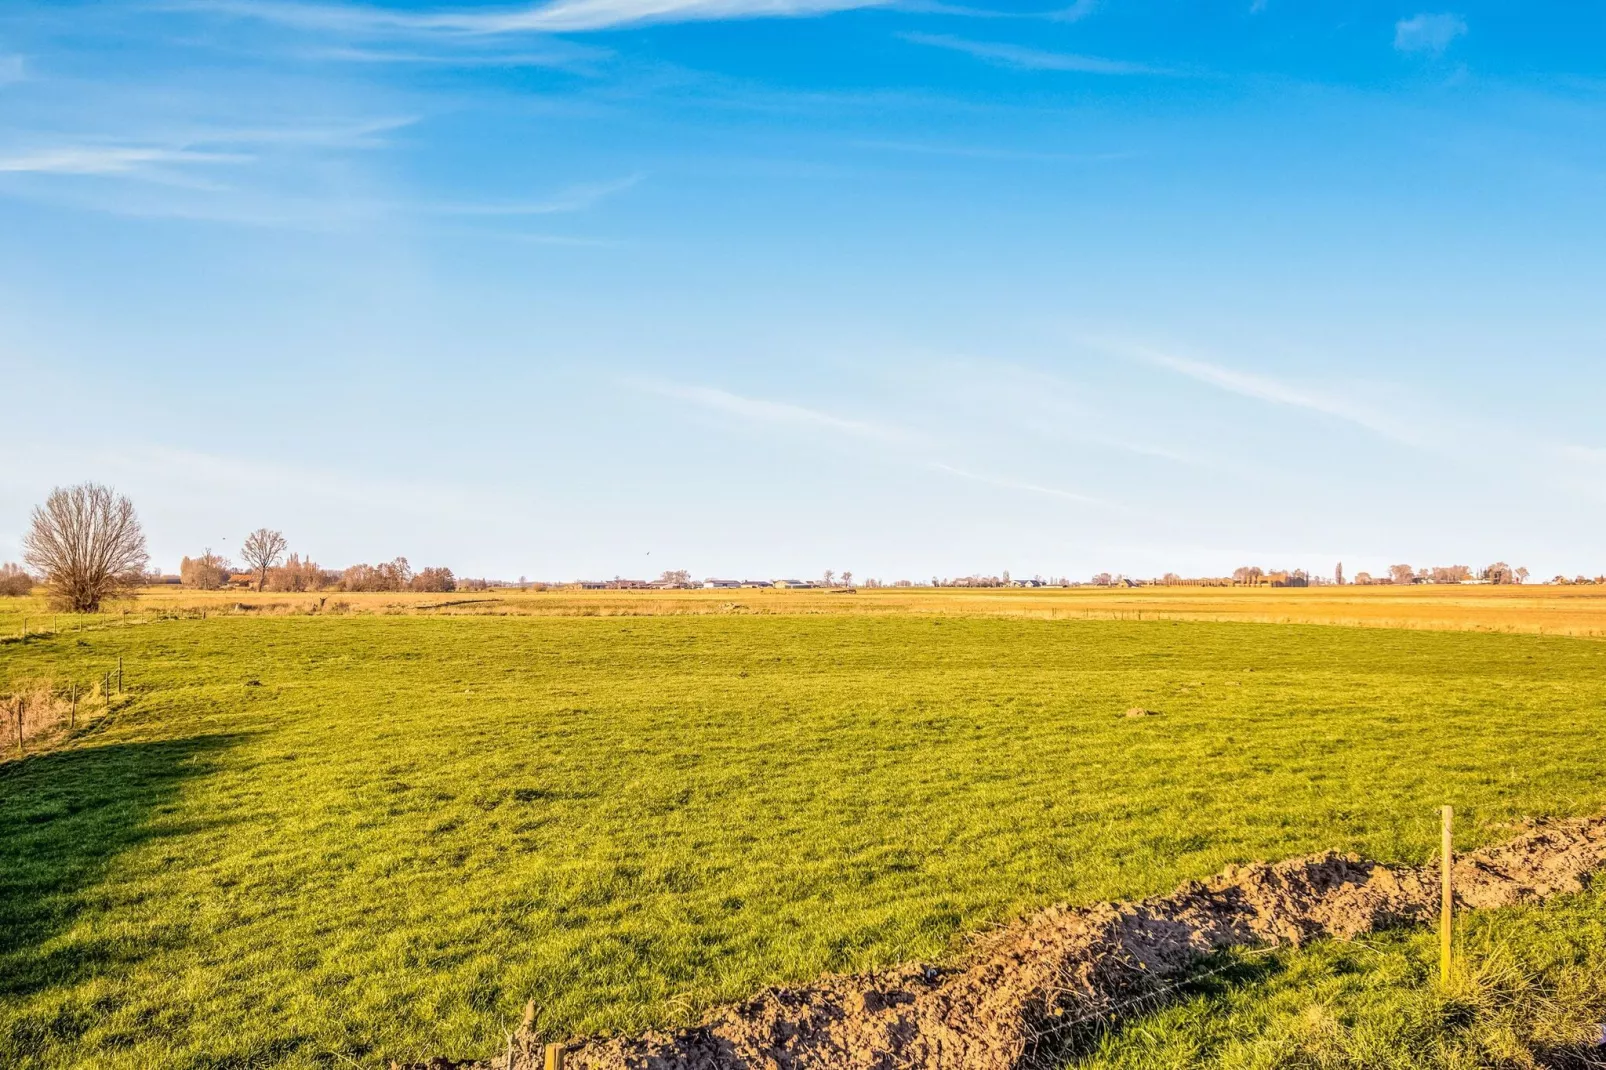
(1012, 1001)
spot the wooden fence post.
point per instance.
(1446, 895)
(554, 1057)
(119, 674)
(22, 749)
(72, 718)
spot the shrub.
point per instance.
(387, 576)
(205, 573)
(14, 581)
(298, 575)
(434, 580)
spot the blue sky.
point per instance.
(763, 287)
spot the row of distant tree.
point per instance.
(86, 545)
(1254, 575)
(1499, 572)
(211, 571)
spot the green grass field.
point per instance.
(313, 841)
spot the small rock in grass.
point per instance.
(1139, 711)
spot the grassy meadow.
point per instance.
(337, 838)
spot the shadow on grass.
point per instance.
(64, 817)
(1212, 977)
(1579, 1057)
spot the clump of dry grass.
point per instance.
(39, 714)
(33, 713)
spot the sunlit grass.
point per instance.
(1528, 990)
(378, 836)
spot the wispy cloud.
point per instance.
(362, 134)
(773, 413)
(13, 69)
(913, 445)
(1076, 12)
(559, 16)
(1031, 59)
(1052, 407)
(986, 152)
(574, 199)
(108, 160)
(1588, 454)
(1428, 33)
(1013, 484)
(1124, 444)
(1276, 392)
(571, 58)
(188, 147)
(255, 176)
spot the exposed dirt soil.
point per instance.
(1014, 999)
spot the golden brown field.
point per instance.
(1544, 610)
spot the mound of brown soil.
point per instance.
(1023, 988)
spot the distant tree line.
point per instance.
(85, 545)
(1002, 580)
(269, 572)
(1497, 573)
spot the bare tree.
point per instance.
(87, 544)
(847, 578)
(262, 550)
(1402, 573)
(830, 577)
(1522, 575)
(205, 573)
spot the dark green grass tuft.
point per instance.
(313, 841)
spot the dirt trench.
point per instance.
(1013, 999)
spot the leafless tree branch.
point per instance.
(87, 544)
(262, 550)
